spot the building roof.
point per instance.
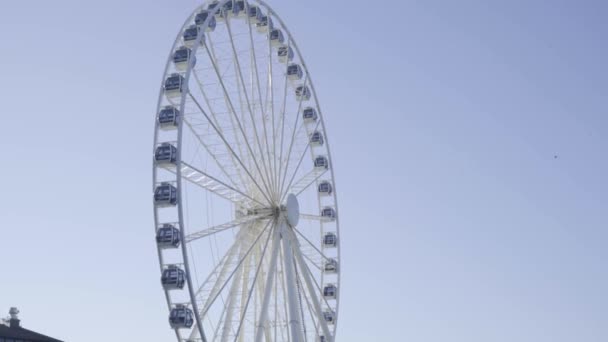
(24, 334)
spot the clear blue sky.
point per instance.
(470, 143)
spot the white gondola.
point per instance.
(325, 188)
(309, 114)
(173, 278)
(285, 54)
(227, 9)
(200, 18)
(174, 85)
(165, 153)
(190, 35)
(181, 317)
(294, 72)
(168, 236)
(223, 12)
(303, 93)
(331, 266)
(321, 162)
(330, 240)
(211, 9)
(168, 118)
(330, 291)
(165, 195)
(239, 9)
(264, 24)
(181, 58)
(316, 138)
(328, 214)
(276, 37)
(255, 15)
(329, 316)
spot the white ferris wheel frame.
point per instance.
(281, 232)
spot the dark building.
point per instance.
(13, 332)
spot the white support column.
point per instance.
(292, 297)
(312, 290)
(261, 326)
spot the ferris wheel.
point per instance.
(245, 206)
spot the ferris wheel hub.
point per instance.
(291, 210)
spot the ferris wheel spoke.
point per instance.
(244, 289)
(232, 301)
(219, 282)
(214, 155)
(307, 180)
(295, 172)
(225, 99)
(218, 326)
(210, 183)
(222, 227)
(311, 244)
(312, 262)
(211, 52)
(238, 267)
(257, 272)
(313, 290)
(261, 327)
(236, 153)
(240, 126)
(219, 273)
(276, 302)
(316, 316)
(239, 72)
(312, 315)
(213, 282)
(312, 217)
(310, 283)
(317, 288)
(222, 164)
(231, 150)
(256, 73)
(282, 120)
(270, 86)
(296, 129)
